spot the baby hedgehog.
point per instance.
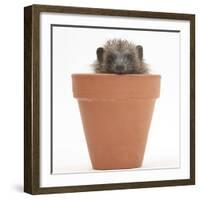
(120, 57)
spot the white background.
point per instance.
(69, 147)
(11, 101)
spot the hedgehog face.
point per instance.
(119, 57)
(120, 62)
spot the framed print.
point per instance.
(109, 99)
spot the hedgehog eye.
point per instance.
(110, 58)
(128, 56)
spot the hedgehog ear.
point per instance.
(99, 52)
(140, 51)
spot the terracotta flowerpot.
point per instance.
(116, 112)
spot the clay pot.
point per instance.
(116, 112)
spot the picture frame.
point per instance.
(38, 170)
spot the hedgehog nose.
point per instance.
(119, 68)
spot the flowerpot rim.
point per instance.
(112, 86)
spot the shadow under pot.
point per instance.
(116, 112)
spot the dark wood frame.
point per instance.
(32, 106)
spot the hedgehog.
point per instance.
(120, 57)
